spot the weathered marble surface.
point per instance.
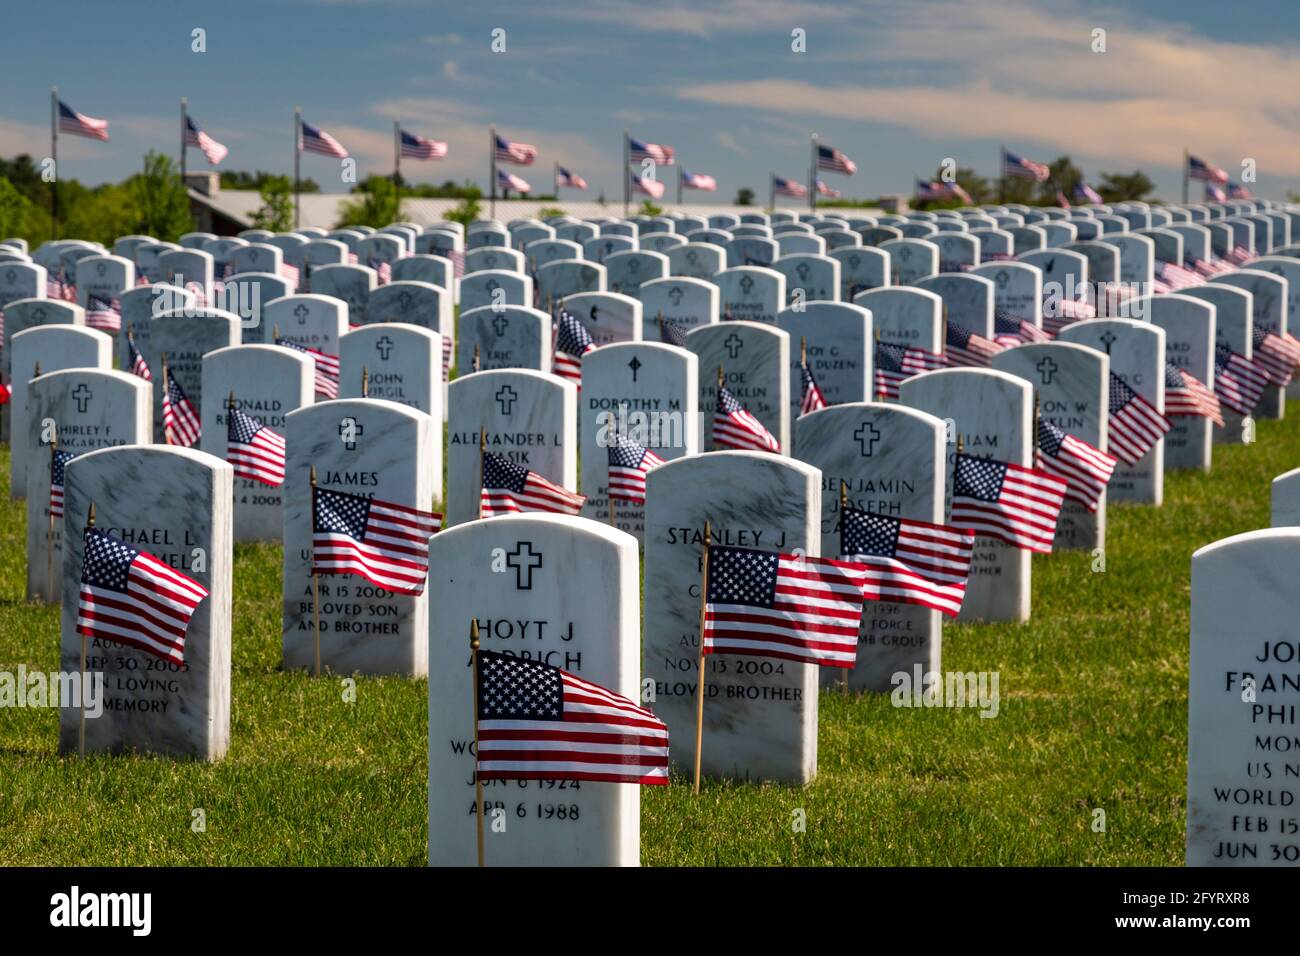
(750, 294)
(1189, 345)
(755, 360)
(607, 316)
(185, 337)
(688, 303)
(841, 351)
(497, 287)
(506, 337)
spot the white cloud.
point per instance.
(706, 19)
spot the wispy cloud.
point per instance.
(705, 20)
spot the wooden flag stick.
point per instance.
(365, 381)
(613, 511)
(167, 438)
(699, 692)
(844, 504)
(803, 350)
(482, 449)
(49, 527)
(315, 578)
(477, 363)
(478, 783)
(81, 728)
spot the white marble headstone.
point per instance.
(750, 294)
(1189, 345)
(755, 360)
(506, 337)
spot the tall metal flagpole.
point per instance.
(297, 156)
(1185, 182)
(627, 161)
(812, 177)
(184, 117)
(397, 153)
(771, 190)
(679, 184)
(492, 171)
(54, 158)
(555, 179)
(1002, 174)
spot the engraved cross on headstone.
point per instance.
(383, 347)
(733, 344)
(634, 365)
(506, 398)
(1046, 369)
(82, 395)
(867, 436)
(499, 324)
(301, 312)
(1108, 339)
(350, 430)
(524, 560)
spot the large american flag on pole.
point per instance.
(78, 124)
(767, 604)
(700, 181)
(568, 179)
(1238, 382)
(783, 186)
(735, 427)
(57, 463)
(639, 152)
(1187, 395)
(509, 488)
(1086, 470)
(1006, 501)
(830, 158)
(908, 562)
(629, 463)
(647, 186)
(538, 722)
(895, 364)
(255, 452)
(1015, 165)
(1135, 424)
(1198, 168)
(327, 368)
(131, 597)
(508, 181)
(315, 140)
(520, 154)
(385, 543)
(964, 348)
(421, 147)
(104, 313)
(194, 136)
(180, 418)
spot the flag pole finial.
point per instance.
(90, 516)
(230, 403)
(844, 495)
(721, 378)
(275, 332)
(803, 350)
(313, 476)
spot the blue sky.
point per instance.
(897, 84)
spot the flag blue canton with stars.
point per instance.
(978, 478)
(742, 576)
(342, 513)
(514, 689)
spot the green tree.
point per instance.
(744, 196)
(547, 212)
(469, 209)
(976, 185)
(19, 216)
(276, 211)
(377, 204)
(650, 209)
(1124, 187)
(241, 179)
(161, 205)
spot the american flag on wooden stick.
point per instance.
(383, 542)
(1008, 330)
(1060, 312)
(327, 367)
(1135, 424)
(1274, 355)
(255, 452)
(104, 313)
(1086, 470)
(735, 427)
(538, 722)
(513, 489)
(908, 562)
(1006, 501)
(180, 418)
(629, 463)
(767, 604)
(810, 394)
(895, 364)
(57, 463)
(572, 342)
(138, 365)
(1238, 382)
(1186, 395)
(964, 348)
(131, 597)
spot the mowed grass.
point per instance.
(1093, 716)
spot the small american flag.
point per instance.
(830, 158)
(180, 420)
(1008, 330)
(811, 397)
(255, 452)
(1275, 356)
(6, 393)
(1174, 277)
(1238, 255)
(1209, 269)
(941, 190)
(513, 489)
(132, 598)
(767, 604)
(672, 332)
(538, 722)
(194, 136)
(520, 154)
(138, 365)
(572, 342)
(104, 313)
(327, 368)
(895, 364)
(639, 152)
(830, 192)
(57, 462)
(1238, 191)
(698, 181)
(1215, 193)
(629, 463)
(508, 181)
(314, 140)
(421, 147)
(1200, 169)
(789, 187)
(734, 427)
(1002, 500)
(646, 186)
(1186, 395)
(385, 543)
(1060, 312)
(568, 180)
(1238, 382)
(1086, 470)
(446, 357)
(1085, 193)
(1135, 425)
(908, 562)
(1019, 166)
(968, 349)
(383, 269)
(70, 121)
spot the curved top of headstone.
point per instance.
(172, 453)
(339, 408)
(725, 461)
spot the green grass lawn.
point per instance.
(1093, 715)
